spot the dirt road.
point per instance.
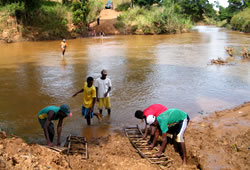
(108, 18)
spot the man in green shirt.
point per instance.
(45, 117)
(173, 119)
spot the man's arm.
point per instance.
(80, 91)
(97, 94)
(59, 131)
(157, 132)
(93, 104)
(163, 145)
(146, 130)
(109, 89)
(46, 132)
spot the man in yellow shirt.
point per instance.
(89, 97)
(63, 47)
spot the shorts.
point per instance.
(104, 102)
(51, 129)
(179, 129)
(85, 112)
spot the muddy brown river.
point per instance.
(173, 70)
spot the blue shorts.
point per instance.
(85, 112)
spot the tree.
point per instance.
(234, 7)
(80, 12)
(197, 8)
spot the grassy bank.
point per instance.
(241, 21)
(50, 21)
(153, 20)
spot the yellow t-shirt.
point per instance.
(88, 94)
(64, 45)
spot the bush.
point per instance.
(11, 9)
(123, 7)
(156, 20)
(119, 25)
(241, 21)
(80, 12)
(95, 7)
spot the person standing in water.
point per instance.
(89, 98)
(63, 47)
(103, 87)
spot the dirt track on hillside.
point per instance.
(108, 18)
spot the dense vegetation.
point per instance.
(53, 20)
(241, 21)
(153, 20)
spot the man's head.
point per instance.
(104, 73)
(151, 119)
(64, 40)
(90, 81)
(139, 114)
(66, 110)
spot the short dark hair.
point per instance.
(139, 114)
(90, 79)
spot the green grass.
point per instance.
(10, 9)
(50, 20)
(156, 20)
(95, 6)
(241, 21)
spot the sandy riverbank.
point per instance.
(219, 141)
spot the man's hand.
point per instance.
(158, 154)
(90, 110)
(74, 95)
(151, 146)
(105, 94)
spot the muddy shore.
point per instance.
(218, 141)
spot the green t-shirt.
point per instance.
(43, 114)
(170, 118)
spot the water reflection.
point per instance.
(169, 69)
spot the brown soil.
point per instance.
(11, 31)
(219, 141)
(108, 18)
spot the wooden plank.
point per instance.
(144, 151)
(69, 144)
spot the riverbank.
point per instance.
(218, 141)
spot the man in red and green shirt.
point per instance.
(155, 110)
(174, 119)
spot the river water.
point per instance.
(173, 70)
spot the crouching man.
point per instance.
(45, 117)
(171, 118)
(155, 110)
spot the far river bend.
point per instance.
(172, 70)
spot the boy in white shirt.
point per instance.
(103, 87)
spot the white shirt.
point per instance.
(103, 86)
